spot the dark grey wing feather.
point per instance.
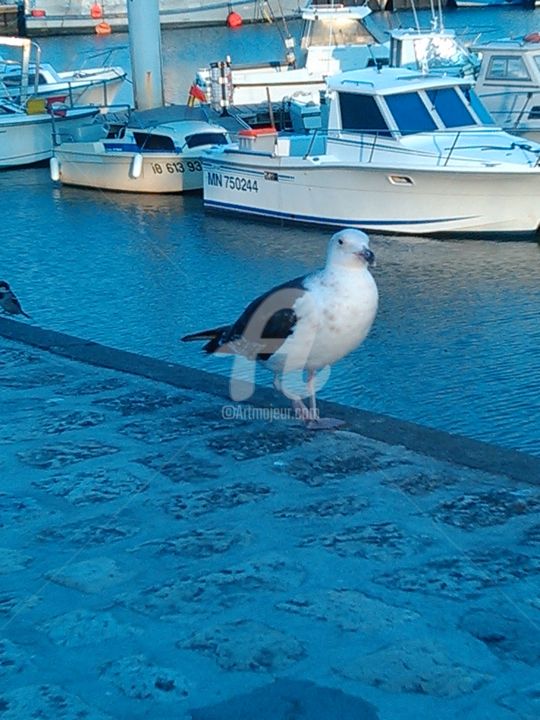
(266, 322)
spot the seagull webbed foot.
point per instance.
(327, 423)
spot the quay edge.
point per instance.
(437, 444)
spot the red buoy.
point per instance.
(103, 28)
(96, 11)
(234, 20)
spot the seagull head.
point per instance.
(350, 248)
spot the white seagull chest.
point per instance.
(333, 318)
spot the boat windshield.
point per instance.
(362, 114)
(154, 142)
(449, 106)
(477, 105)
(206, 138)
(410, 113)
(336, 32)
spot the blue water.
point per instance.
(456, 344)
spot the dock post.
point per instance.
(145, 52)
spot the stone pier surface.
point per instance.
(160, 561)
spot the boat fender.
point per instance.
(234, 20)
(54, 166)
(136, 166)
(533, 37)
(103, 28)
(96, 11)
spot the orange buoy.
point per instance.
(532, 37)
(38, 13)
(103, 28)
(234, 20)
(96, 11)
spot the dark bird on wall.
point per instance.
(9, 302)
(307, 323)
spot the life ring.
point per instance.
(103, 28)
(533, 37)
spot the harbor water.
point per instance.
(456, 344)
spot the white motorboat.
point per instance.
(404, 153)
(91, 86)
(335, 38)
(54, 17)
(508, 83)
(155, 151)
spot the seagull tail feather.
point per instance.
(205, 334)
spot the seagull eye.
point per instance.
(340, 242)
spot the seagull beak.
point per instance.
(368, 256)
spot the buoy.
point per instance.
(38, 13)
(533, 37)
(96, 11)
(54, 168)
(136, 166)
(234, 20)
(103, 28)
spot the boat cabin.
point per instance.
(509, 84)
(396, 102)
(438, 52)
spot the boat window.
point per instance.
(343, 31)
(507, 67)
(13, 80)
(450, 107)
(477, 105)
(360, 112)
(537, 60)
(207, 138)
(150, 141)
(410, 113)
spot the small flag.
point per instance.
(196, 93)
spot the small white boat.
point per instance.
(146, 154)
(335, 38)
(88, 86)
(26, 133)
(508, 83)
(404, 153)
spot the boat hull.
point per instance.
(28, 139)
(90, 165)
(409, 201)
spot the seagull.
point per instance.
(307, 323)
(9, 302)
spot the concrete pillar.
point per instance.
(145, 51)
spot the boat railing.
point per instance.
(458, 147)
(105, 56)
(513, 116)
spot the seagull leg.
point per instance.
(315, 421)
(301, 411)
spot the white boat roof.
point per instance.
(320, 12)
(510, 45)
(178, 128)
(385, 81)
